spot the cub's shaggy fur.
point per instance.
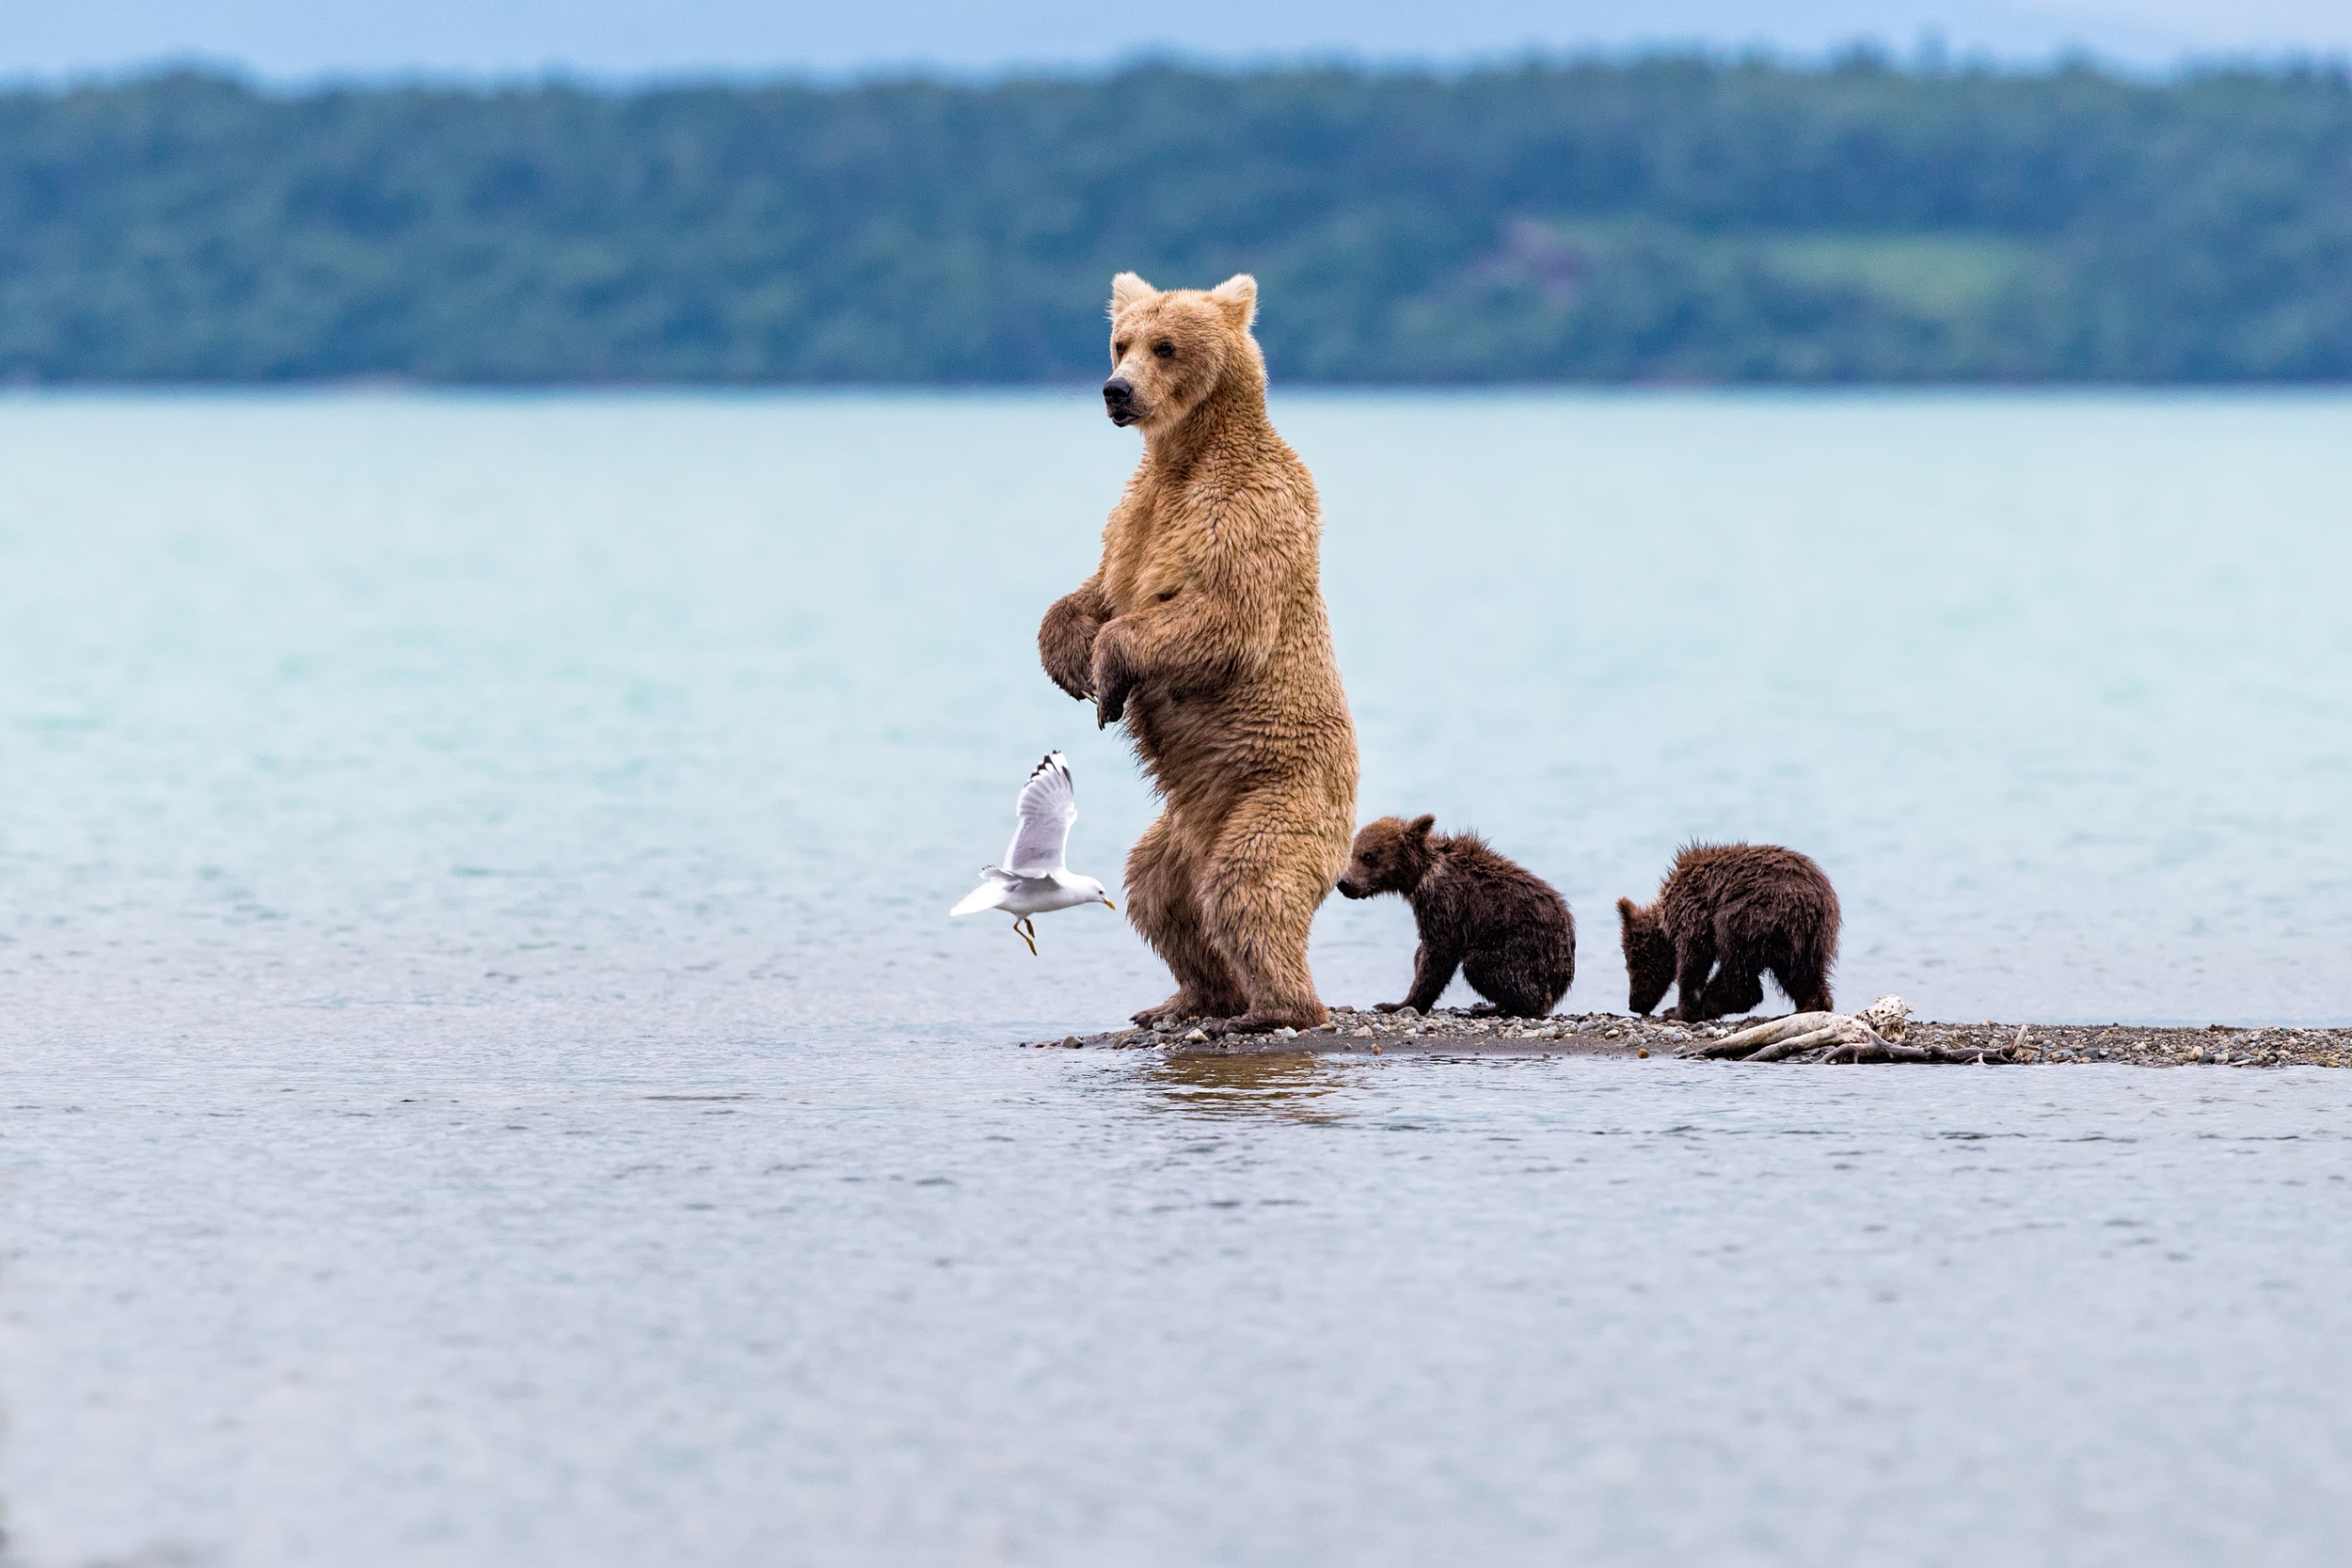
(1735, 909)
(1508, 929)
(1204, 630)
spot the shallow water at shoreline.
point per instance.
(933, 1301)
(488, 1079)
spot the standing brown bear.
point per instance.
(1735, 910)
(1204, 629)
(1507, 929)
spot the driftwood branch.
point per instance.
(1985, 1055)
(1797, 1032)
(1811, 1039)
(1873, 1034)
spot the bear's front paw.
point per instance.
(1388, 1006)
(1110, 708)
(1256, 1022)
(1064, 645)
(1114, 679)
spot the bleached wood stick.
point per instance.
(1780, 1051)
(1768, 1034)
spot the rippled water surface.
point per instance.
(488, 1079)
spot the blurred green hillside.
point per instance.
(1667, 219)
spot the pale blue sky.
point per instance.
(300, 38)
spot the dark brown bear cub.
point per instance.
(1503, 927)
(1726, 913)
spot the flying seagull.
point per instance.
(1033, 878)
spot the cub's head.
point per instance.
(1649, 958)
(1389, 856)
(1170, 348)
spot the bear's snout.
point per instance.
(1119, 400)
(1349, 888)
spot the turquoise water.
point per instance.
(325, 716)
(414, 804)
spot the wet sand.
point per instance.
(1452, 1031)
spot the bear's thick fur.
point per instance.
(1746, 907)
(1204, 628)
(1509, 931)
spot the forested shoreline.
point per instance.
(1665, 219)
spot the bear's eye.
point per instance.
(1164, 349)
(1119, 348)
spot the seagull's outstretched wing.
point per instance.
(990, 894)
(1048, 805)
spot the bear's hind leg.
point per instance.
(1164, 906)
(1806, 981)
(1518, 977)
(1259, 890)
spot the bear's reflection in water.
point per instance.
(1297, 1088)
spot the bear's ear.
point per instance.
(1126, 289)
(1237, 296)
(1626, 912)
(1418, 827)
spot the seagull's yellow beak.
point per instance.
(1108, 905)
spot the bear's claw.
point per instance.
(1257, 1023)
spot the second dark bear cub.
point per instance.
(1726, 913)
(1506, 929)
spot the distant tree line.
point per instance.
(1658, 219)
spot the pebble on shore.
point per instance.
(1451, 1031)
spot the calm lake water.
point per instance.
(489, 1079)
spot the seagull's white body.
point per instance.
(1034, 880)
(1025, 896)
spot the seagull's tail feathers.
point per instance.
(990, 894)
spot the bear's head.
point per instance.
(1389, 856)
(1649, 958)
(1170, 348)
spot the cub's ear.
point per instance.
(1126, 289)
(1418, 827)
(1237, 296)
(1626, 912)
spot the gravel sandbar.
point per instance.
(1454, 1031)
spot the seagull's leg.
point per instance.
(1019, 922)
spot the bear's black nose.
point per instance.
(1118, 392)
(1347, 889)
